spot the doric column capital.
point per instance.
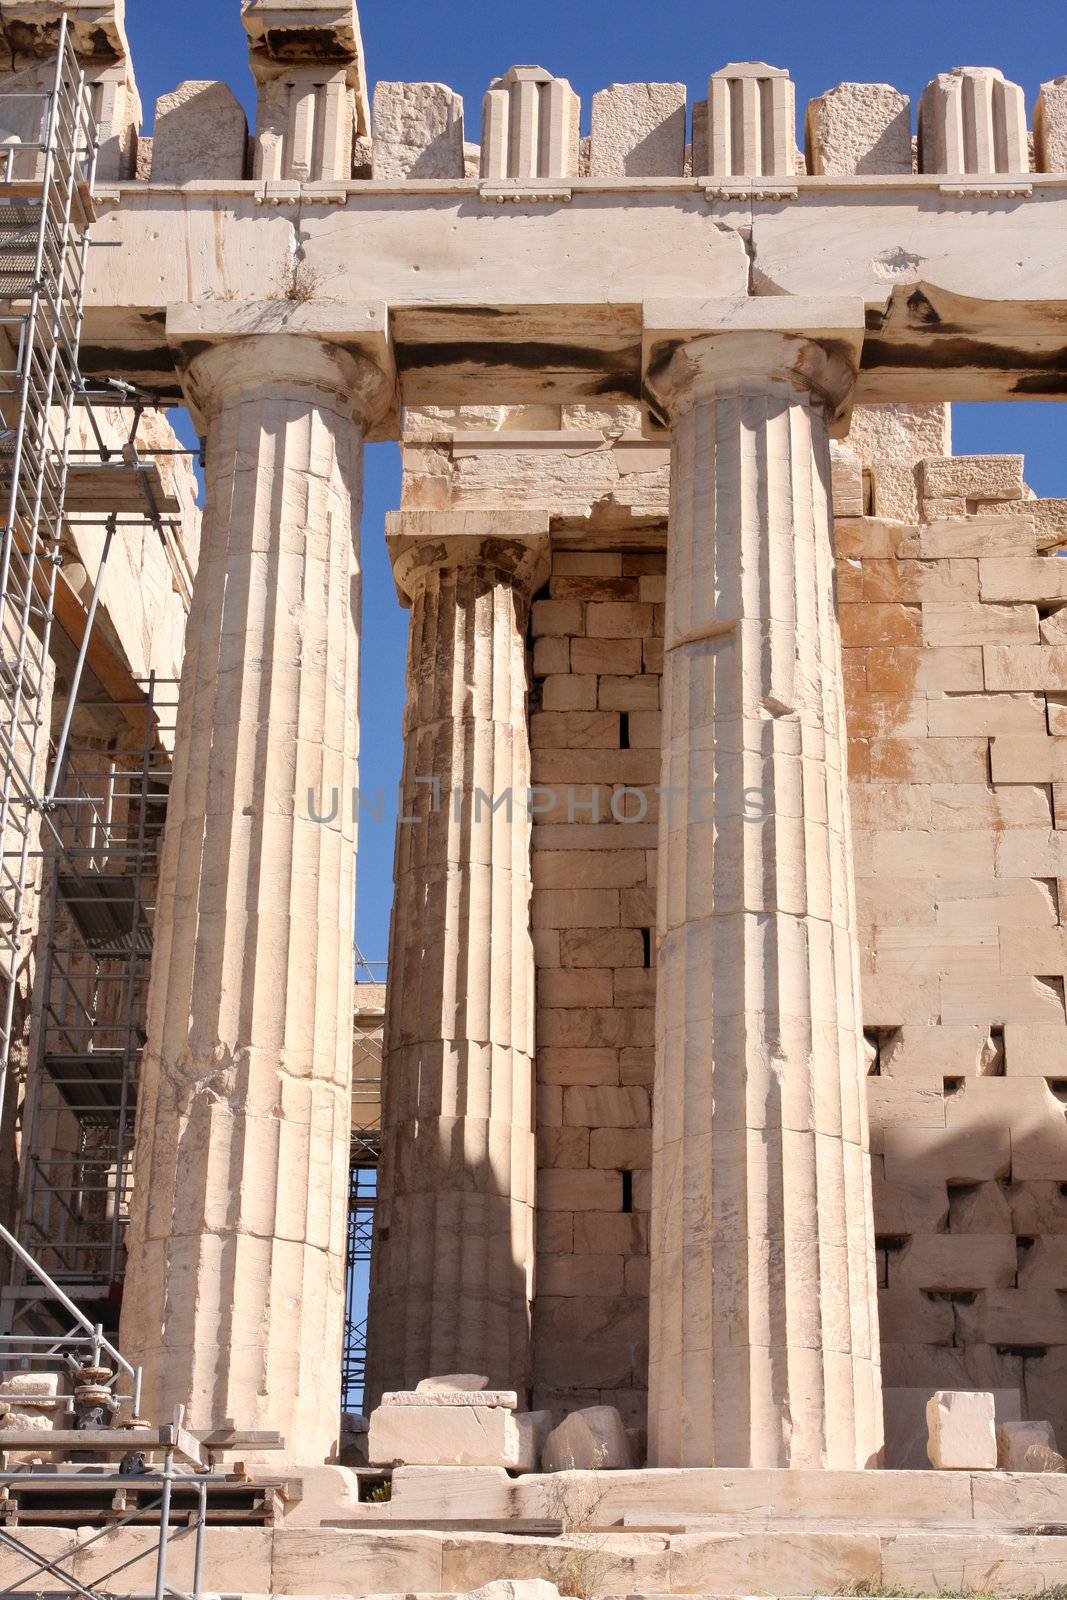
(425, 544)
(343, 358)
(694, 350)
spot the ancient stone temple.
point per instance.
(688, 1212)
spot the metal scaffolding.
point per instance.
(47, 168)
(366, 1149)
(101, 873)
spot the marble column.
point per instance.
(764, 1347)
(453, 1252)
(234, 1294)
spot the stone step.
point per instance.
(438, 1496)
(723, 1565)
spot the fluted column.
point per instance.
(453, 1255)
(763, 1318)
(234, 1294)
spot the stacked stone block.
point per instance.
(956, 685)
(597, 659)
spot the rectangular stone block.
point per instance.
(574, 730)
(638, 131)
(623, 1149)
(1001, 902)
(932, 950)
(1001, 1000)
(588, 869)
(858, 128)
(606, 1107)
(602, 947)
(1023, 578)
(418, 132)
(615, 657)
(936, 855)
(1027, 759)
(924, 1156)
(974, 477)
(618, 620)
(973, 536)
(556, 617)
(977, 623)
(941, 759)
(1038, 667)
(580, 1275)
(551, 655)
(962, 1430)
(583, 1190)
(563, 988)
(629, 694)
(308, 1560)
(868, 623)
(567, 691)
(1035, 1050)
(1050, 126)
(463, 1435)
(947, 582)
(576, 908)
(577, 1066)
(990, 714)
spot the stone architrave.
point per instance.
(763, 1332)
(234, 1297)
(453, 1257)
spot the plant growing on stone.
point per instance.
(579, 1564)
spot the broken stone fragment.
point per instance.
(492, 1399)
(470, 1382)
(593, 1439)
(1028, 1447)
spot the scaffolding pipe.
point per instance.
(68, 1305)
(79, 665)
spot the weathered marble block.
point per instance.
(418, 131)
(1050, 127)
(458, 1435)
(638, 131)
(1028, 1447)
(858, 128)
(593, 1439)
(200, 132)
(962, 1430)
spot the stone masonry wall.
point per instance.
(955, 634)
(595, 726)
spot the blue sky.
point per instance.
(593, 43)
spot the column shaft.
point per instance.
(763, 1331)
(234, 1295)
(453, 1261)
